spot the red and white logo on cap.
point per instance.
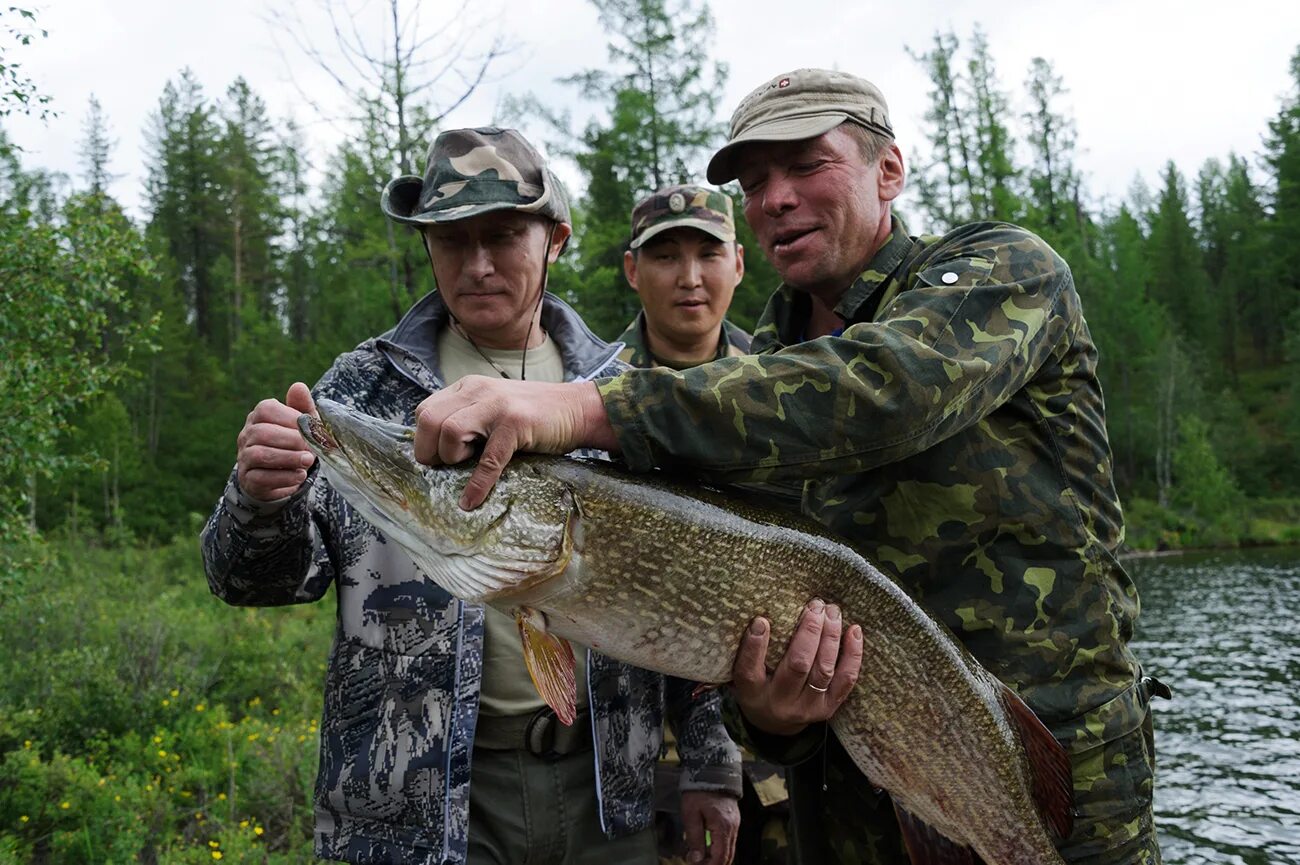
(784, 82)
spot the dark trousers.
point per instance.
(530, 810)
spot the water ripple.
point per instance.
(1221, 630)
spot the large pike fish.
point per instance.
(668, 577)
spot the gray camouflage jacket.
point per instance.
(402, 687)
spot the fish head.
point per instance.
(516, 538)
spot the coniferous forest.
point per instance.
(132, 348)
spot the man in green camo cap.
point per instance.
(684, 263)
(435, 745)
(938, 397)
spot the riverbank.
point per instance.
(1254, 523)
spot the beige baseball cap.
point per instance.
(801, 104)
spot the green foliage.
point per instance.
(67, 336)
(660, 103)
(1203, 487)
(139, 717)
(18, 93)
(243, 278)
(971, 172)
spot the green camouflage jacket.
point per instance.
(733, 342)
(954, 431)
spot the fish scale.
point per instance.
(668, 577)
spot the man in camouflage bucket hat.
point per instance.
(435, 747)
(684, 263)
(938, 396)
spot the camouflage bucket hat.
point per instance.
(474, 171)
(801, 104)
(686, 206)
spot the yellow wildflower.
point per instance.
(214, 844)
(257, 830)
(23, 819)
(65, 805)
(221, 796)
(216, 854)
(200, 707)
(175, 692)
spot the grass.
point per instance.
(142, 720)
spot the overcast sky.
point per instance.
(1149, 80)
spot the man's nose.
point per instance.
(688, 272)
(778, 195)
(478, 261)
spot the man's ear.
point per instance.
(629, 268)
(560, 234)
(740, 263)
(892, 173)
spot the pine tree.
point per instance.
(251, 212)
(945, 184)
(1178, 279)
(1282, 156)
(96, 150)
(1053, 180)
(996, 174)
(185, 212)
(662, 101)
(972, 172)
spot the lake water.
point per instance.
(1222, 630)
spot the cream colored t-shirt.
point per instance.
(507, 688)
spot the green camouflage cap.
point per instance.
(474, 171)
(801, 104)
(683, 206)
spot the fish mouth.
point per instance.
(316, 433)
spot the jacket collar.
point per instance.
(412, 346)
(880, 279)
(732, 342)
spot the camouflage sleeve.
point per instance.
(969, 329)
(265, 554)
(709, 759)
(781, 750)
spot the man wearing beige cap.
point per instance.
(684, 263)
(938, 397)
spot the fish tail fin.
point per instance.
(1051, 779)
(927, 846)
(552, 667)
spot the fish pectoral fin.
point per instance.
(927, 846)
(551, 665)
(1051, 781)
(702, 688)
